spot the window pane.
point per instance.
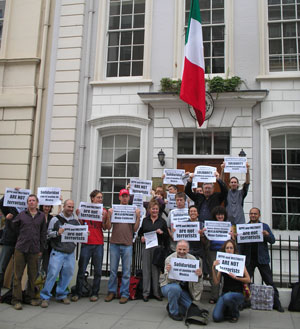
(217, 4)
(106, 185)
(119, 184)
(133, 141)
(293, 172)
(274, 13)
(278, 189)
(116, 198)
(107, 199)
(134, 155)
(222, 143)
(275, 63)
(138, 21)
(294, 190)
(275, 47)
(107, 155)
(138, 52)
(108, 141)
(205, 17)
(289, 12)
(119, 169)
(218, 65)
(279, 222)
(137, 68)
(293, 140)
(125, 53)
(294, 222)
(278, 156)
(114, 22)
(277, 141)
(290, 46)
(120, 155)
(218, 33)
(133, 170)
(205, 4)
(114, 8)
(126, 7)
(113, 39)
(275, 30)
(112, 69)
(294, 206)
(206, 33)
(278, 205)
(278, 172)
(126, 21)
(124, 69)
(185, 143)
(207, 50)
(203, 143)
(218, 49)
(113, 54)
(293, 156)
(273, 2)
(106, 170)
(218, 16)
(139, 6)
(289, 30)
(120, 140)
(126, 38)
(138, 37)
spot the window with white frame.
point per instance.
(213, 27)
(203, 143)
(120, 160)
(126, 29)
(2, 9)
(284, 35)
(285, 157)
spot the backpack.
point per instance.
(195, 315)
(294, 305)
(86, 290)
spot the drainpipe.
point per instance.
(40, 88)
(84, 99)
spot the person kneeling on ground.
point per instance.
(232, 295)
(180, 294)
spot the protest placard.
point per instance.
(151, 239)
(49, 196)
(188, 231)
(173, 176)
(16, 198)
(90, 211)
(249, 233)
(179, 215)
(231, 263)
(217, 231)
(123, 214)
(75, 233)
(204, 174)
(183, 269)
(139, 203)
(235, 164)
(171, 204)
(140, 186)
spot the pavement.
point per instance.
(133, 315)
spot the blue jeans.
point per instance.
(118, 251)
(61, 264)
(178, 298)
(5, 256)
(228, 305)
(88, 251)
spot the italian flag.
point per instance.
(193, 81)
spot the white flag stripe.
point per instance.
(194, 46)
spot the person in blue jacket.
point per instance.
(257, 255)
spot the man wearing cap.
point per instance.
(121, 247)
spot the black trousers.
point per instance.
(266, 274)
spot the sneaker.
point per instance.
(93, 298)
(123, 300)
(18, 306)
(74, 298)
(44, 303)
(35, 302)
(65, 301)
(109, 297)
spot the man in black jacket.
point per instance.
(207, 201)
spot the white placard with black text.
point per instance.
(123, 214)
(247, 233)
(235, 164)
(183, 269)
(188, 231)
(231, 263)
(173, 176)
(140, 186)
(205, 174)
(49, 196)
(217, 230)
(75, 233)
(16, 198)
(90, 211)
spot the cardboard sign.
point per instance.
(151, 239)
(231, 263)
(123, 214)
(235, 164)
(49, 196)
(217, 231)
(247, 233)
(184, 269)
(174, 176)
(16, 198)
(204, 174)
(179, 215)
(75, 233)
(90, 211)
(140, 186)
(188, 231)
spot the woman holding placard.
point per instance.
(155, 224)
(212, 247)
(232, 297)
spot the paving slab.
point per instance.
(94, 320)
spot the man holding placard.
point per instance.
(62, 258)
(257, 255)
(207, 201)
(94, 216)
(235, 197)
(124, 225)
(182, 281)
(31, 227)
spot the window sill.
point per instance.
(122, 82)
(278, 76)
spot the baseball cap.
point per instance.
(123, 191)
